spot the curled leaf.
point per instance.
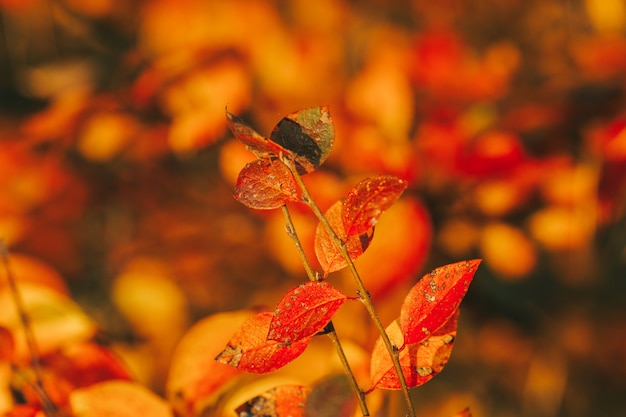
(281, 401)
(420, 362)
(250, 351)
(308, 135)
(368, 200)
(255, 142)
(265, 184)
(304, 311)
(434, 298)
(327, 252)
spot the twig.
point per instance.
(48, 406)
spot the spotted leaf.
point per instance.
(368, 200)
(254, 141)
(304, 311)
(281, 401)
(265, 184)
(434, 298)
(250, 351)
(420, 362)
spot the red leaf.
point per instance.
(464, 413)
(255, 142)
(281, 401)
(304, 311)
(327, 252)
(434, 298)
(265, 184)
(309, 136)
(420, 362)
(368, 200)
(250, 351)
(7, 345)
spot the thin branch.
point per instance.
(49, 408)
(364, 294)
(330, 328)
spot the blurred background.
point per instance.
(508, 119)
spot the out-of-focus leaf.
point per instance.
(332, 397)
(309, 136)
(254, 141)
(327, 252)
(420, 362)
(368, 200)
(434, 298)
(194, 375)
(118, 399)
(249, 350)
(304, 311)
(265, 184)
(464, 413)
(24, 410)
(55, 319)
(7, 344)
(281, 401)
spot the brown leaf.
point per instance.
(368, 200)
(434, 298)
(250, 351)
(304, 311)
(420, 362)
(265, 184)
(255, 142)
(328, 254)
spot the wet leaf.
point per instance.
(420, 361)
(328, 254)
(304, 311)
(118, 399)
(254, 141)
(368, 200)
(281, 401)
(250, 351)
(265, 184)
(308, 134)
(434, 298)
(332, 397)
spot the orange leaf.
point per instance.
(420, 362)
(304, 311)
(328, 254)
(7, 345)
(368, 200)
(434, 298)
(118, 399)
(265, 184)
(281, 401)
(255, 142)
(249, 350)
(464, 413)
(309, 136)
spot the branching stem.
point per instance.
(330, 328)
(364, 294)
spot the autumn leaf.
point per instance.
(368, 200)
(117, 399)
(308, 134)
(434, 298)
(420, 362)
(464, 413)
(250, 351)
(265, 184)
(327, 252)
(304, 311)
(7, 344)
(281, 401)
(254, 141)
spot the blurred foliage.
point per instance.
(508, 119)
